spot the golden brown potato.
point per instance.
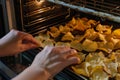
(116, 33)
(117, 45)
(117, 77)
(67, 37)
(99, 74)
(89, 45)
(97, 45)
(76, 45)
(62, 44)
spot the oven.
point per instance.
(36, 16)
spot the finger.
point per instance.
(66, 54)
(29, 39)
(25, 47)
(63, 56)
(72, 60)
(33, 41)
(59, 50)
(69, 53)
(62, 65)
(29, 44)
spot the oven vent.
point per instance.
(109, 9)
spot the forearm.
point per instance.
(32, 73)
(4, 50)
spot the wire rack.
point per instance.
(108, 6)
(103, 8)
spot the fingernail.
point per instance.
(76, 60)
(79, 61)
(74, 51)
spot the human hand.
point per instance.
(15, 42)
(53, 59)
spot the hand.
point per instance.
(15, 42)
(53, 59)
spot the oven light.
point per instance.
(39, 2)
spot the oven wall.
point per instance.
(7, 17)
(4, 28)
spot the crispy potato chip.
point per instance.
(97, 45)
(109, 46)
(116, 33)
(72, 22)
(117, 55)
(64, 29)
(95, 59)
(82, 69)
(47, 42)
(102, 38)
(42, 37)
(99, 74)
(76, 45)
(104, 29)
(91, 34)
(80, 26)
(39, 39)
(67, 37)
(110, 67)
(89, 45)
(117, 77)
(79, 71)
(118, 68)
(79, 38)
(81, 56)
(62, 44)
(54, 34)
(91, 22)
(117, 46)
(53, 29)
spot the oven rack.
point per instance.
(108, 9)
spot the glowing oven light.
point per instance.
(39, 2)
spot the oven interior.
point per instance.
(35, 16)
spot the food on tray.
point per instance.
(62, 44)
(65, 29)
(117, 77)
(67, 37)
(97, 45)
(54, 32)
(76, 45)
(104, 29)
(44, 39)
(89, 45)
(99, 74)
(116, 33)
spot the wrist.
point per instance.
(2, 47)
(41, 73)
